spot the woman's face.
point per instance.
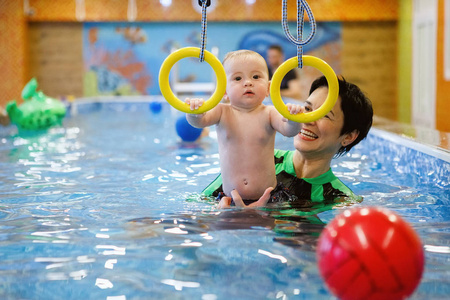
(322, 136)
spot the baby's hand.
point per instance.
(295, 108)
(194, 103)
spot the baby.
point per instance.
(245, 127)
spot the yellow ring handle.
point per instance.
(333, 89)
(170, 97)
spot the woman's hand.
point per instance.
(225, 202)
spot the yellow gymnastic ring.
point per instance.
(166, 91)
(333, 89)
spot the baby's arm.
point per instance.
(205, 119)
(284, 126)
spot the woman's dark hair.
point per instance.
(357, 108)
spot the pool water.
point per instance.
(105, 208)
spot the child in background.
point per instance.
(4, 118)
(246, 128)
(290, 85)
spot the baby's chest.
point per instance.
(247, 130)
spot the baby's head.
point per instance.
(237, 56)
(247, 78)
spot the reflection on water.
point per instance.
(105, 208)
(292, 228)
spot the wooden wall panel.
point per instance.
(369, 60)
(56, 58)
(226, 10)
(13, 59)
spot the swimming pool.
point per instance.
(102, 208)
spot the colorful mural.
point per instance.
(112, 66)
(120, 59)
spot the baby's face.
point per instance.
(247, 81)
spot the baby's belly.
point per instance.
(251, 188)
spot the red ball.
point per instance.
(370, 253)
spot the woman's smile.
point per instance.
(307, 135)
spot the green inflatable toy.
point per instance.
(38, 112)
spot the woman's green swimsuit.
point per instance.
(324, 188)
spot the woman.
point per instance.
(306, 171)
